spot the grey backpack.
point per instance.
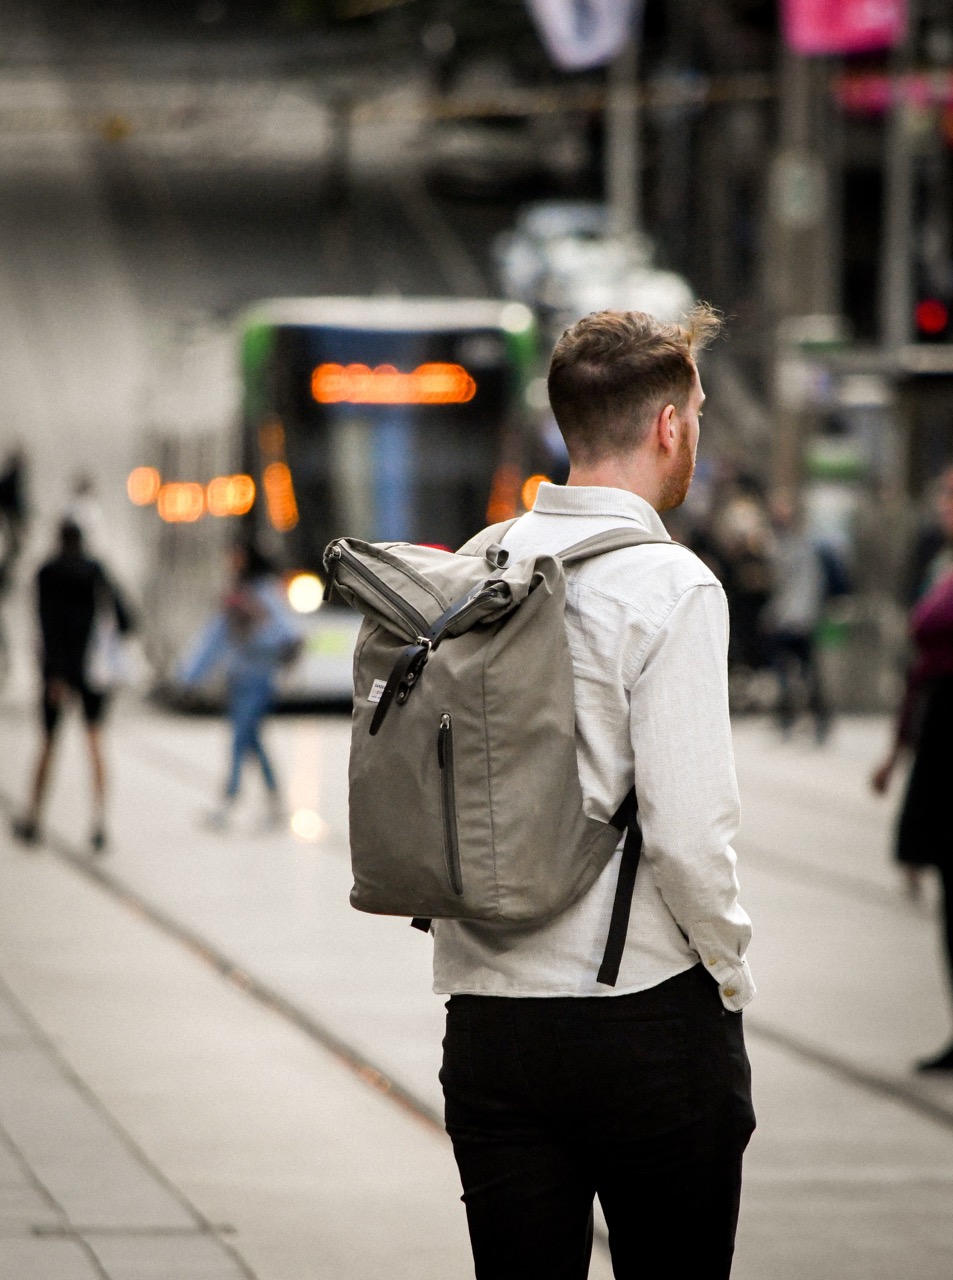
(464, 792)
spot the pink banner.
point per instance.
(843, 26)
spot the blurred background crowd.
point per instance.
(165, 171)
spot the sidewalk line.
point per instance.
(267, 996)
(879, 1085)
(65, 1228)
(770, 862)
(884, 1086)
(203, 1226)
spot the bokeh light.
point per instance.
(305, 592)
(143, 485)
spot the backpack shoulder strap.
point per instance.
(611, 540)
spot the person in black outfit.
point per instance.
(13, 511)
(71, 589)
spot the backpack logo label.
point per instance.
(377, 690)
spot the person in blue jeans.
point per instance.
(252, 636)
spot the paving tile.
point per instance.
(22, 1208)
(75, 1153)
(13, 1029)
(194, 1257)
(46, 1260)
(12, 1173)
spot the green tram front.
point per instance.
(382, 419)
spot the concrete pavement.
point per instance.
(210, 1066)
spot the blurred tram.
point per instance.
(383, 419)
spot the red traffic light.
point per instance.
(932, 316)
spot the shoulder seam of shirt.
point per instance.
(577, 583)
(639, 661)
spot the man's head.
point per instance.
(784, 510)
(620, 381)
(70, 537)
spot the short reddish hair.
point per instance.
(613, 371)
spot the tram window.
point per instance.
(417, 472)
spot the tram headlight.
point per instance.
(305, 592)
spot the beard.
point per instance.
(676, 487)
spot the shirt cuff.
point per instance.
(735, 983)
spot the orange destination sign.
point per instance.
(359, 384)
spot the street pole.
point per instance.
(623, 160)
(896, 292)
(801, 272)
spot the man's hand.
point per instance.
(880, 778)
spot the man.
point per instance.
(558, 1089)
(13, 510)
(71, 588)
(792, 615)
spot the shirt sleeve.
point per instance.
(686, 785)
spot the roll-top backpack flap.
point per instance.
(382, 583)
(409, 588)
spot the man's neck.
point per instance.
(617, 474)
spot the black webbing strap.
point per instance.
(406, 670)
(626, 816)
(421, 922)
(412, 660)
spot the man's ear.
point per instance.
(666, 429)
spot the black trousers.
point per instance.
(643, 1100)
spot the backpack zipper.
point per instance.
(451, 844)
(469, 604)
(415, 620)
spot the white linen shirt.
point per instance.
(648, 632)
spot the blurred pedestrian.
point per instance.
(558, 1087)
(739, 555)
(252, 637)
(792, 615)
(13, 515)
(13, 509)
(73, 590)
(925, 729)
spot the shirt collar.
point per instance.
(598, 500)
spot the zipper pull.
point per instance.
(442, 737)
(332, 558)
(329, 580)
